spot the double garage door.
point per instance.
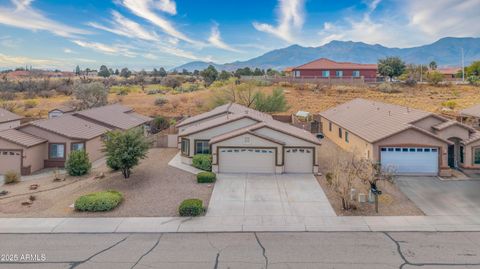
(10, 161)
(262, 160)
(409, 160)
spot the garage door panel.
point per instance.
(299, 160)
(246, 160)
(10, 161)
(410, 160)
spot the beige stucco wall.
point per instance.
(454, 131)
(9, 125)
(32, 156)
(413, 138)
(427, 123)
(94, 148)
(356, 144)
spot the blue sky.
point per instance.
(153, 33)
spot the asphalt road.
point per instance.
(425, 250)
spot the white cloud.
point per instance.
(125, 27)
(216, 40)
(23, 15)
(150, 56)
(168, 6)
(68, 51)
(290, 16)
(14, 61)
(145, 9)
(111, 50)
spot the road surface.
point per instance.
(426, 250)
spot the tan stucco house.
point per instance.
(243, 140)
(409, 140)
(48, 142)
(8, 120)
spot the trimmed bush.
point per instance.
(202, 162)
(11, 177)
(99, 201)
(78, 163)
(206, 177)
(191, 208)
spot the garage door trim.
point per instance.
(439, 151)
(234, 147)
(21, 156)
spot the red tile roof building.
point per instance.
(325, 68)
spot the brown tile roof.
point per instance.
(372, 120)
(6, 116)
(21, 138)
(71, 127)
(324, 63)
(116, 116)
(449, 71)
(473, 111)
(212, 123)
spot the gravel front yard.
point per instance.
(153, 190)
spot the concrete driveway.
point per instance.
(444, 198)
(268, 195)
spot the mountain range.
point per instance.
(445, 52)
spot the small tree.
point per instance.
(224, 75)
(271, 103)
(342, 178)
(433, 65)
(162, 72)
(210, 74)
(124, 150)
(78, 163)
(125, 73)
(391, 67)
(434, 77)
(104, 72)
(90, 95)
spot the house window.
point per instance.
(185, 147)
(296, 74)
(330, 126)
(202, 147)
(340, 132)
(346, 137)
(476, 156)
(462, 153)
(57, 151)
(325, 73)
(78, 146)
(356, 73)
(339, 73)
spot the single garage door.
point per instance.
(298, 160)
(246, 160)
(10, 161)
(410, 160)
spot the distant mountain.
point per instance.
(446, 52)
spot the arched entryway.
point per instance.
(454, 152)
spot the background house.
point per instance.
(325, 68)
(471, 116)
(8, 120)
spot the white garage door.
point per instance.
(298, 160)
(410, 160)
(246, 160)
(10, 161)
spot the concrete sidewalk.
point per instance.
(238, 224)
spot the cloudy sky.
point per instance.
(153, 33)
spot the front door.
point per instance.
(451, 156)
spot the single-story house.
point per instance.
(325, 68)
(116, 117)
(449, 73)
(409, 140)
(243, 140)
(21, 152)
(59, 111)
(8, 120)
(471, 116)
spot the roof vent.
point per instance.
(389, 113)
(246, 111)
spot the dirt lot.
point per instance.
(392, 202)
(154, 190)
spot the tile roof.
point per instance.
(449, 123)
(6, 116)
(71, 127)
(373, 120)
(211, 123)
(473, 111)
(324, 63)
(116, 116)
(473, 138)
(21, 138)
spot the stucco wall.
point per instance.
(427, 123)
(468, 157)
(33, 156)
(94, 148)
(367, 73)
(454, 131)
(9, 125)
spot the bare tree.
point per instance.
(342, 178)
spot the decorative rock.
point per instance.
(34, 187)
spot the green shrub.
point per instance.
(30, 104)
(473, 80)
(99, 201)
(78, 163)
(206, 177)
(159, 124)
(11, 177)
(434, 77)
(450, 104)
(275, 102)
(160, 101)
(191, 208)
(202, 161)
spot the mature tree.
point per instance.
(162, 72)
(125, 149)
(104, 72)
(117, 72)
(90, 95)
(224, 75)
(258, 72)
(473, 69)
(243, 72)
(125, 73)
(271, 103)
(210, 74)
(77, 70)
(272, 72)
(434, 77)
(391, 67)
(185, 72)
(433, 65)
(196, 72)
